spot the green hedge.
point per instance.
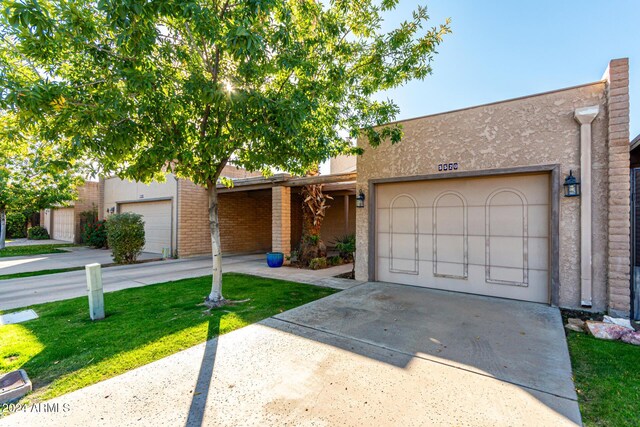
(125, 237)
(38, 233)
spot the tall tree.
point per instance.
(192, 85)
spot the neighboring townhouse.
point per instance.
(257, 214)
(475, 201)
(65, 222)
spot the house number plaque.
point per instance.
(444, 167)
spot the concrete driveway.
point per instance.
(376, 354)
(74, 256)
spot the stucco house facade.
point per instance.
(473, 200)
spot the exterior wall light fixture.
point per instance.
(360, 200)
(571, 186)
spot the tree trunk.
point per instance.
(3, 228)
(215, 297)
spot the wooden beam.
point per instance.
(320, 179)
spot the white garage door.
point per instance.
(487, 236)
(63, 224)
(157, 223)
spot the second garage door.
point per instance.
(63, 224)
(487, 236)
(157, 223)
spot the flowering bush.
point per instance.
(95, 234)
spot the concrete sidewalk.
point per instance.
(74, 256)
(15, 293)
(374, 355)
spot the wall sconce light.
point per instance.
(360, 200)
(571, 186)
(111, 210)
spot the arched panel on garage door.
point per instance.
(506, 238)
(403, 239)
(450, 236)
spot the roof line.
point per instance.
(496, 102)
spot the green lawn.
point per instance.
(33, 250)
(607, 378)
(38, 273)
(63, 350)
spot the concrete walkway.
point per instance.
(76, 256)
(27, 242)
(374, 355)
(15, 293)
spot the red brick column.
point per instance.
(619, 267)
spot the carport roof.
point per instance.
(341, 181)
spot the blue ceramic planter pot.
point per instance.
(275, 259)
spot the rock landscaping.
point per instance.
(609, 328)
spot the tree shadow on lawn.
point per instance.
(64, 350)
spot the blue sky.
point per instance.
(505, 49)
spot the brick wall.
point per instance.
(193, 220)
(619, 269)
(101, 206)
(88, 199)
(281, 219)
(245, 221)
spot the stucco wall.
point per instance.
(342, 164)
(117, 191)
(536, 130)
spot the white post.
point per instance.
(96, 297)
(585, 116)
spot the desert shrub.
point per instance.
(125, 237)
(346, 245)
(95, 234)
(38, 233)
(312, 239)
(334, 260)
(318, 263)
(16, 225)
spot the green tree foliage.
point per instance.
(147, 86)
(16, 224)
(125, 234)
(34, 179)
